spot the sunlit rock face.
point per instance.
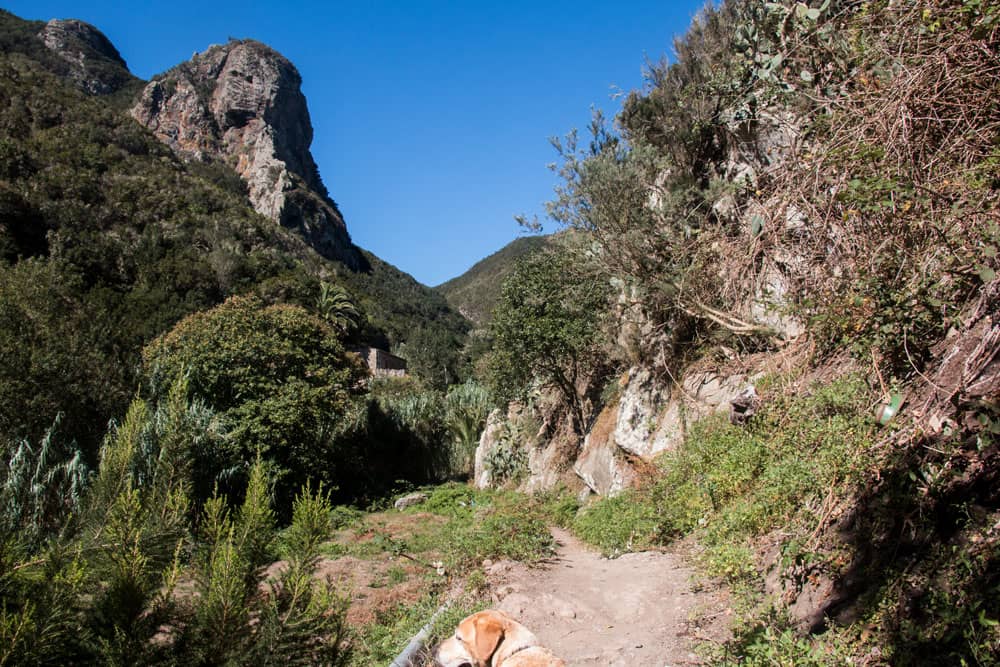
(242, 103)
(94, 64)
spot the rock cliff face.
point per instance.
(95, 65)
(648, 418)
(242, 103)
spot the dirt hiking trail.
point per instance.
(638, 610)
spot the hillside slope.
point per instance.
(108, 238)
(475, 292)
(799, 357)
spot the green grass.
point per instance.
(459, 526)
(383, 640)
(733, 483)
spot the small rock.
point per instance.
(409, 500)
(487, 564)
(744, 406)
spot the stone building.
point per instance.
(381, 363)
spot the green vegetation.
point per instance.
(546, 328)
(918, 551)
(476, 292)
(111, 581)
(277, 374)
(801, 160)
(734, 483)
(142, 290)
(107, 240)
(103, 66)
(838, 158)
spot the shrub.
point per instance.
(42, 487)
(277, 373)
(466, 408)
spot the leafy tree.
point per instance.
(278, 375)
(546, 326)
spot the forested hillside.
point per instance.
(108, 239)
(175, 380)
(475, 292)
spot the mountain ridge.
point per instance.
(475, 292)
(241, 103)
(108, 238)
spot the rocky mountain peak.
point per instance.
(242, 103)
(95, 65)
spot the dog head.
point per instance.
(476, 640)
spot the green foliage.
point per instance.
(41, 488)
(303, 620)
(255, 522)
(476, 292)
(735, 483)
(507, 463)
(58, 358)
(277, 373)
(546, 325)
(619, 524)
(335, 306)
(768, 638)
(107, 239)
(466, 408)
(137, 514)
(452, 499)
(40, 619)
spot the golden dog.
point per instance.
(493, 639)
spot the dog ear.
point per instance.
(488, 631)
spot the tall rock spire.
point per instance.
(242, 103)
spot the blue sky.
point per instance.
(431, 119)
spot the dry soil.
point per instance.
(640, 610)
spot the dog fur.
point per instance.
(493, 639)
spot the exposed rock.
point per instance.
(653, 419)
(243, 103)
(770, 303)
(488, 443)
(638, 411)
(95, 65)
(544, 467)
(744, 406)
(410, 500)
(601, 464)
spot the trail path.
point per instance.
(639, 610)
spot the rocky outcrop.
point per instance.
(648, 418)
(601, 464)
(653, 419)
(242, 103)
(489, 441)
(528, 453)
(94, 64)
